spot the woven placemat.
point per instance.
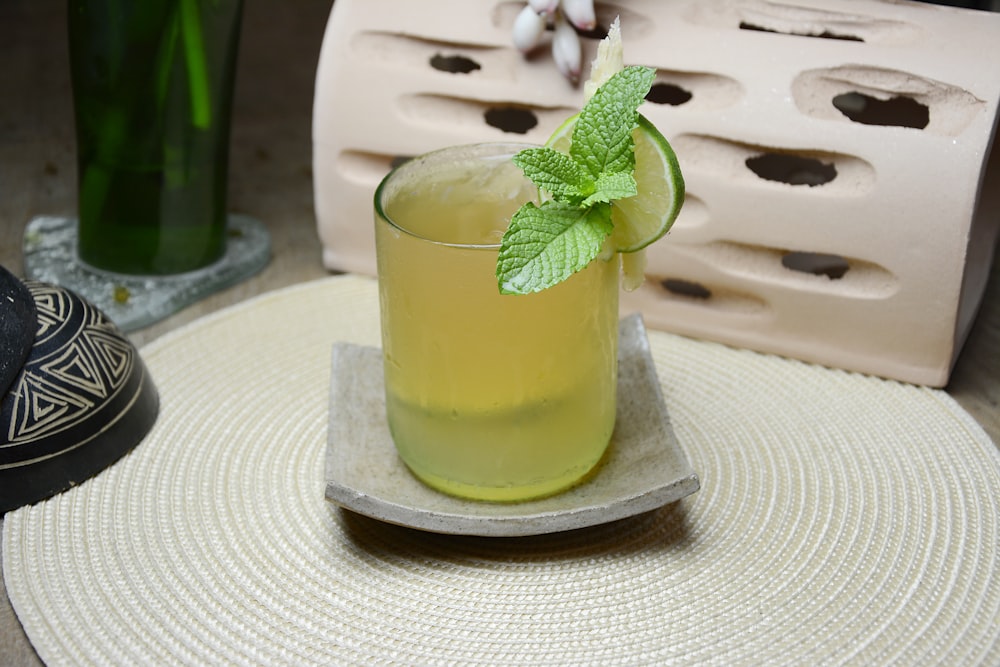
(842, 519)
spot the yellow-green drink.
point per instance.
(488, 396)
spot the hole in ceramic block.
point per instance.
(698, 294)
(833, 267)
(895, 111)
(822, 273)
(885, 97)
(668, 93)
(688, 288)
(792, 169)
(724, 160)
(454, 64)
(451, 115)
(517, 120)
(406, 52)
(696, 91)
(825, 34)
(792, 20)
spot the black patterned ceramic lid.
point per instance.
(78, 401)
(18, 322)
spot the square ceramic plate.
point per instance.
(643, 469)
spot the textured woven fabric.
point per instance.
(842, 519)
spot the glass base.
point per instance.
(507, 494)
(131, 301)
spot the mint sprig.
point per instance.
(544, 245)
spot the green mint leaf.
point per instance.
(555, 172)
(602, 139)
(616, 185)
(546, 244)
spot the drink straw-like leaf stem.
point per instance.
(194, 58)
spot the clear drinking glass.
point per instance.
(488, 396)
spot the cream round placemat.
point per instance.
(842, 520)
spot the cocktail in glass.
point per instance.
(488, 396)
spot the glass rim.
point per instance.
(511, 146)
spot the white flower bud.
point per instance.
(580, 13)
(566, 49)
(528, 29)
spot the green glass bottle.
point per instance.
(152, 95)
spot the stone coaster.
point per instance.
(134, 302)
(643, 469)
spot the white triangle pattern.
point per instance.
(62, 389)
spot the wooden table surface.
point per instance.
(271, 179)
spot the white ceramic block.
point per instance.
(843, 194)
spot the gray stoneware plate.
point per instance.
(644, 468)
